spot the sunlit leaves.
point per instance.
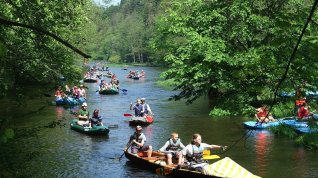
(235, 48)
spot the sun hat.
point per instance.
(84, 104)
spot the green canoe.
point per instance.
(111, 91)
(95, 130)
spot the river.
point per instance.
(45, 146)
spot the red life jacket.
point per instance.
(303, 112)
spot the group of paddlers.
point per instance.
(75, 92)
(190, 156)
(113, 84)
(301, 107)
(85, 120)
(141, 107)
(135, 73)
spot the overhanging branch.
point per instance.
(57, 38)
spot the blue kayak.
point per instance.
(287, 121)
(69, 101)
(258, 125)
(306, 130)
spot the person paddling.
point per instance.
(137, 108)
(137, 142)
(96, 119)
(194, 152)
(83, 116)
(173, 149)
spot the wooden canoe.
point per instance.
(155, 164)
(221, 168)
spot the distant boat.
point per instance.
(95, 130)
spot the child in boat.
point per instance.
(137, 142)
(173, 148)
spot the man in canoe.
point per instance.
(173, 148)
(194, 152)
(137, 108)
(145, 107)
(83, 116)
(137, 142)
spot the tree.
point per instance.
(235, 51)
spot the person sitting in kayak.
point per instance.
(96, 119)
(137, 143)
(173, 148)
(82, 91)
(137, 108)
(263, 116)
(304, 112)
(58, 92)
(299, 103)
(83, 116)
(194, 152)
(145, 107)
(76, 92)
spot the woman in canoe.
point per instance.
(96, 119)
(194, 152)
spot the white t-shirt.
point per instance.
(188, 150)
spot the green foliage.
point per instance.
(170, 83)
(32, 57)
(114, 59)
(284, 130)
(7, 134)
(219, 112)
(125, 30)
(235, 52)
(310, 141)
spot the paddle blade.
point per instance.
(129, 115)
(124, 90)
(211, 157)
(149, 119)
(113, 126)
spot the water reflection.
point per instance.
(59, 111)
(262, 143)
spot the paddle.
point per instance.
(128, 115)
(125, 151)
(211, 157)
(123, 90)
(112, 126)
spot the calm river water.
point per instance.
(42, 150)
